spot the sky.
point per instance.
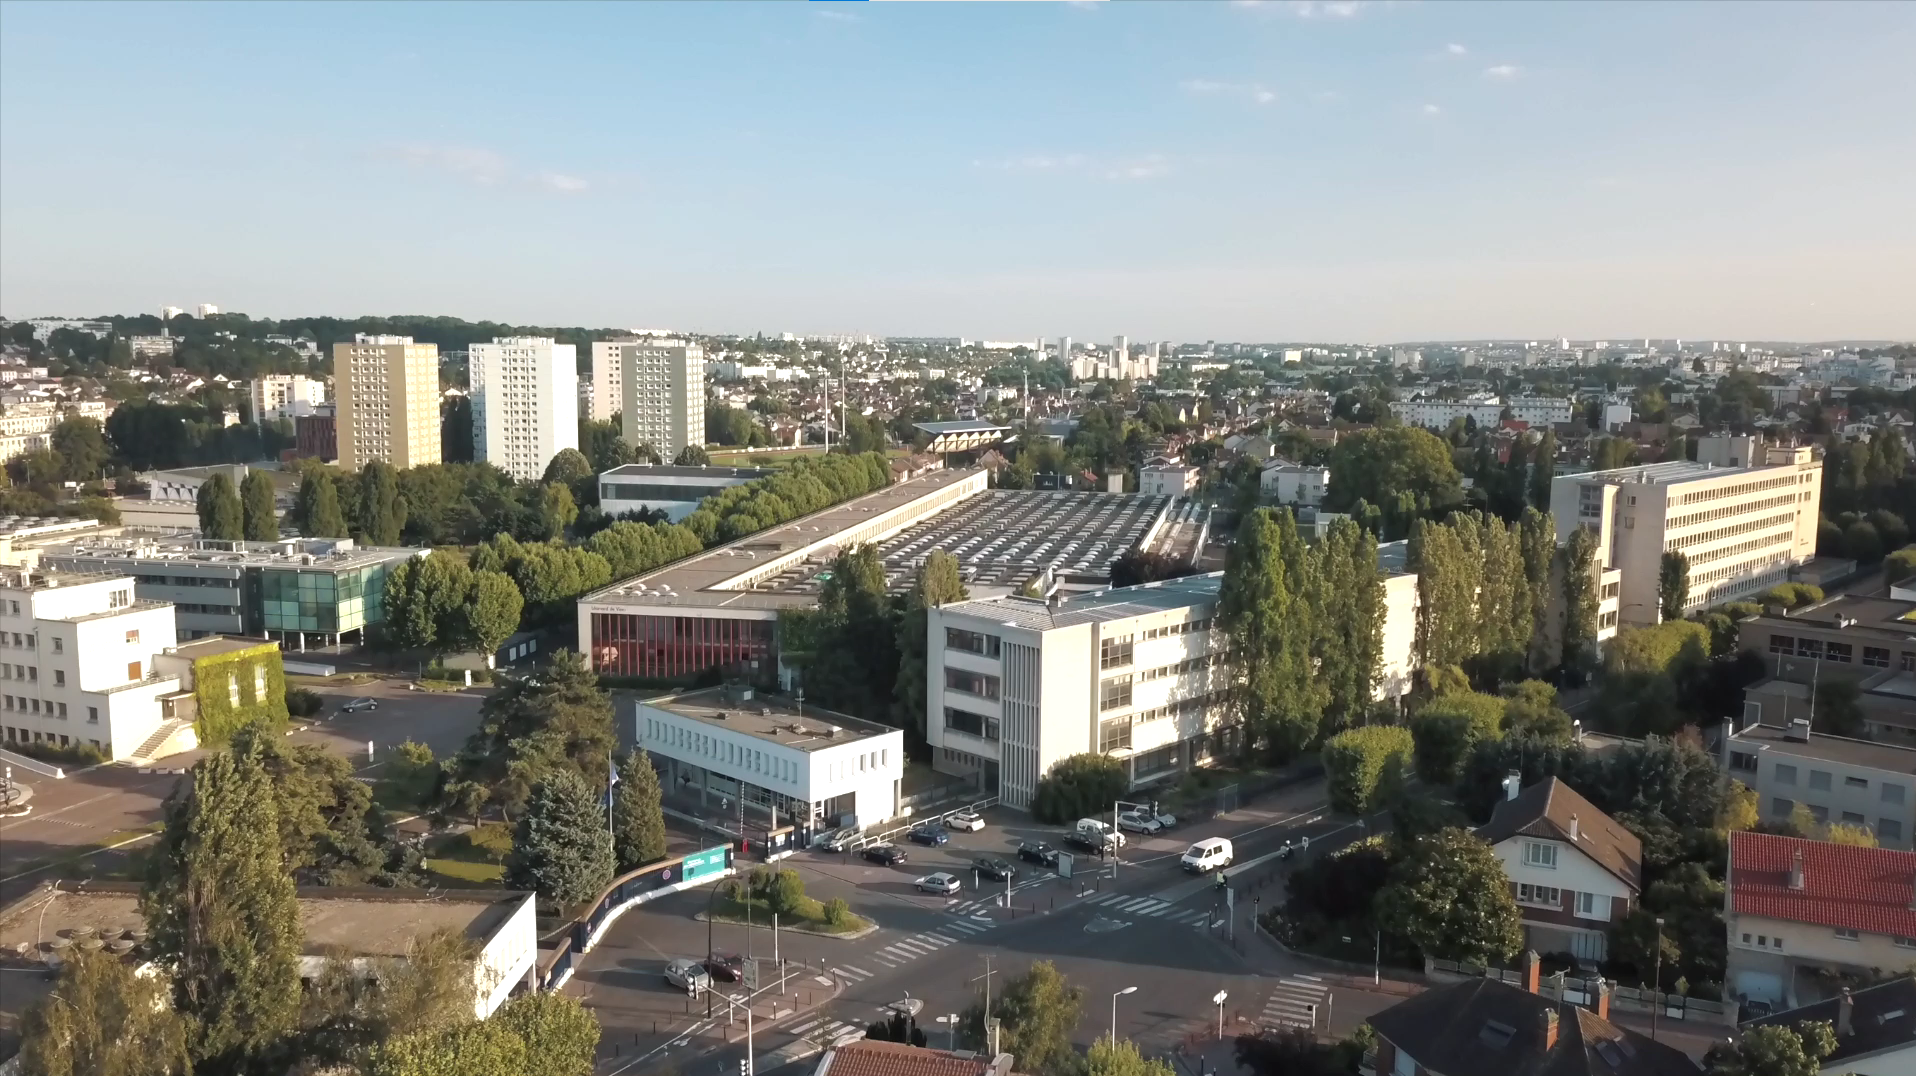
(1321, 170)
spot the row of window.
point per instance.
(1821, 781)
(1885, 829)
(973, 724)
(1875, 657)
(27, 705)
(1169, 630)
(30, 672)
(972, 642)
(36, 736)
(1752, 545)
(1687, 541)
(1188, 665)
(1157, 713)
(983, 685)
(1115, 652)
(30, 641)
(1712, 514)
(1737, 490)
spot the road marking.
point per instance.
(1295, 1001)
(806, 1026)
(849, 972)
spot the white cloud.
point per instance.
(835, 16)
(1432, 110)
(1263, 96)
(561, 183)
(1201, 85)
(1250, 90)
(1502, 71)
(1455, 49)
(1150, 166)
(484, 168)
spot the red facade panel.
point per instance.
(668, 646)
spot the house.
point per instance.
(1875, 1028)
(872, 1057)
(1294, 483)
(1799, 911)
(1573, 869)
(1485, 1025)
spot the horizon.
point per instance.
(1307, 171)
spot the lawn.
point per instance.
(729, 909)
(475, 858)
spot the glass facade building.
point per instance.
(332, 602)
(677, 645)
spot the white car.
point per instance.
(941, 882)
(1139, 822)
(969, 821)
(357, 705)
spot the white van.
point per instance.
(1096, 830)
(1212, 853)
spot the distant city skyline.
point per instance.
(1310, 171)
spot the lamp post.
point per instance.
(951, 1025)
(1114, 1010)
(1218, 1000)
(1656, 987)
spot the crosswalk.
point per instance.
(824, 1031)
(1152, 908)
(990, 897)
(1296, 1001)
(907, 949)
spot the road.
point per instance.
(1154, 927)
(110, 804)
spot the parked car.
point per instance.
(938, 883)
(1038, 852)
(1092, 841)
(1138, 821)
(1212, 853)
(885, 855)
(357, 705)
(932, 835)
(1166, 820)
(969, 821)
(725, 967)
(1099, 826)
(996, 869)
(836, 840)
(688, 976)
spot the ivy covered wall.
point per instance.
(219, 678)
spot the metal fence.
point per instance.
(635, 887)
(1583, 991)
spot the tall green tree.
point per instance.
(852, 659)
(561, 848)
(426, 602)
(382, 511)
(1774, 1050)
(1121, 1058)
(1543, 471)
(638, 822)
(557, 510)
(256, 504)
(555, 717)
(1038, 1013)
(1269, 635)
(1378, 465)
(1673, 585)
(1352, 621)
(1538, 539)
(557, 1029)
(938, 583)
(219, 508)
(491, 613)
(692, 456)
(80, 444)
(1449, 896)
(102, 1019)
(1577, 573)
(316, 511)
(220, 904)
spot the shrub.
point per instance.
(301, 702)
(1446, 728)
(1078, 786)
(80, 754)
(1793, 595)
(786, 894)
(1366, 766)
(1899, 565)
(838, 913)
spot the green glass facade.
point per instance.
(330, 602)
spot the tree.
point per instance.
(1366, 766)
(1530, 710)
(1450, 897)
(938, 583)
(692, 456)
(1673, 585)
(219, 509)
(355, 1003)
(557, 1029)
(560, 849)
(1543, 470)
(567, 467)
(1447, 728)
(426, 602)
(1578, 573)
(1135, 566)
(478, 1048)
(638, 822)
(256, 503)
(1078, 786)
(220, 904)
(1038, 1013)
(1773, 1050)
(103, 1019)
(316, 507)
(80, 444)
(1839, 708)
(382, 511)
(1121, 1058)
(1377, 465)
(557, 510)
(1270, 633)
(556, 717)
(491, 612)
(1848, 834)
(455, 430)
(1739, 812)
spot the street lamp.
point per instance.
(1218, 1000)
(1114, 1010)
(951, 1023)
(1656, 987)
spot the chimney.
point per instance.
(1547, 1024)
(1513, 782)
(1532, 968)
(1574, 830)
(1796, 869)
(1845, 1013)
(1603, 999)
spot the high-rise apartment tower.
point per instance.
(525, 403)
(388, 393)
(664, 397)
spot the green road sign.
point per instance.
(705, 864)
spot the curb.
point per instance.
(869, 928)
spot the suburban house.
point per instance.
(1573, 870)
(1799, 912)
(1875, 1028)
(1485, 1025)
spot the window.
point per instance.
(1876, 657)
(973, 724)
(1743, 761)
(1842, 652)
(1592, 905)
(33, 672)
(1782, 644)
(63, 710)
(1539, 854)
(1889, 829)
(59, 678)
(133, 636)
(1891, 792)
(1904, 943)
(1115, 653)
(1907, 661)
(1855, 782)
(1851, 818)
(971, 683)
(93, 715)
(1785, 775)
(259, 684)
(1819, 812)
(232, 688)
(1547, 896)
(133, 670)
(1819, 781)
(1114, 734)
(971, 642)
(1845, 935)
(1781, 807)
(1115, 693)
(1809, 648)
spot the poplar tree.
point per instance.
(1267, 651)
(220, 903)
(1579, 580)
(638, 822)
(382, 510)
(256, 504)
(939, 582)
(103, 1019)
(1352, 623)
(219, 508)
(1673, 584)
(1543, 468)
(1539, 541)
(316, 507)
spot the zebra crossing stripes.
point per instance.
(824, 1031)
(850, 971)
(1151, 908)
(1295, 1002)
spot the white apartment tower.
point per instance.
(1120, 349)
(388, 394)
(608, 378)
(664, 397)
(525, 403)
(278, 396)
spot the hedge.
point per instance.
(1366, 766)
(1447, 727)
(219, 718)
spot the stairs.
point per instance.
(157, 743)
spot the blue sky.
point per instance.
(1274, 171)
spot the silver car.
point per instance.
(689, 976)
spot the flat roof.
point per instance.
(1672, 472)
(219, 644)
(663, 470)
(1881, 756)
(1118, 603)
(960, 426)
(772, 718)
(326, 554)
(1894, 618)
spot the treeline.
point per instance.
(78, 452)
(1484, 596)
(809, 484)
(1305, 631)
(146, 435)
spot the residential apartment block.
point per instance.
(662, 395)
(1484, 411)
(387, 389)
(277, 396)
(1294, 483)
(1868, 642)
(608, 378)
(1744, 513)
(525, 403)
(1856, 782)
(29, 426)
(1573, 870)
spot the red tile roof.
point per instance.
(870, 1057)
(1845, 887)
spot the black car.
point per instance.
(1041, 854)
(930, 834)
(885, 855)
(725, 967)
(994, 868)
(1095, 843)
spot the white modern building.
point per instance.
(676, 491)
(1168, 479)
(1294, 483)
(525, 403)
(608, 378)
(206, 310)
(1744, 513)
(663, 395)
(277, 396)
(77, 661)
(1484, 410)
(784, 762)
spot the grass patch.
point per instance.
(444, 685)
(728, 909)
(457, 871)
(477, 857)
